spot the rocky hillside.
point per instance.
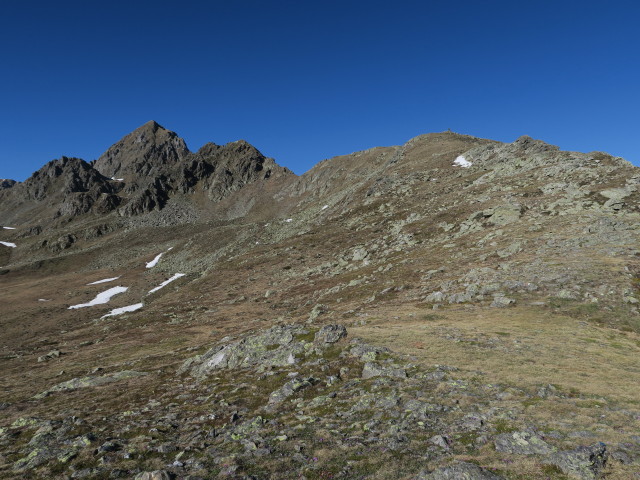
(177, 314)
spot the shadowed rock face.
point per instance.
(6, 183)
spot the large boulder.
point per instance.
(583, 463)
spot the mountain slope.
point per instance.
(513, 267)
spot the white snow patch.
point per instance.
(9, 228)
(106, 280)
(121, 310)
(289, 220)
(117, 179)
(325, 207)
(167, 282)
(155, 261)
(101, 298)
(460, 161)
(9, 244)
(43, 300)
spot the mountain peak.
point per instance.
(138, 152)
(151, 125)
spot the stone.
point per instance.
(330, 334)
(372, 369)
(155, 475)
(440, 441)
(522, 443)
(317, 310)
(503, 214)
(275, 347)
(90, 381)
(583, 463)
(459, 471)
(288, 389)
(500, 301)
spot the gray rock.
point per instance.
(503, 214)
(156, 475)
(372, 369)
(583, 463)
(435, 297)
(288, 389)
(440, 441)
(330, 334)
(91, 381)
(522, 443)
(275, 347)
(459, 471)
(317, 310)
(459, 298)
(500, 301)
(367, 353)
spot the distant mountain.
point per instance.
(136, 175)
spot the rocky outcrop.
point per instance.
(583, 463)
(6, 183)
(90, 381)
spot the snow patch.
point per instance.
(460, 161)
(167, 282)
(9, 228)
(117, 179)
(121, 310)
(325, 207)
(106, 280)
(8, 244)
(289, 220)
(101, 298)
(155, 261)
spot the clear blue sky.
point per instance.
(304, 81)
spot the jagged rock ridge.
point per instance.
(140, 173)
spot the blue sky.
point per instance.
(305, 81)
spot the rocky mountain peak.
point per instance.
(142, 152)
